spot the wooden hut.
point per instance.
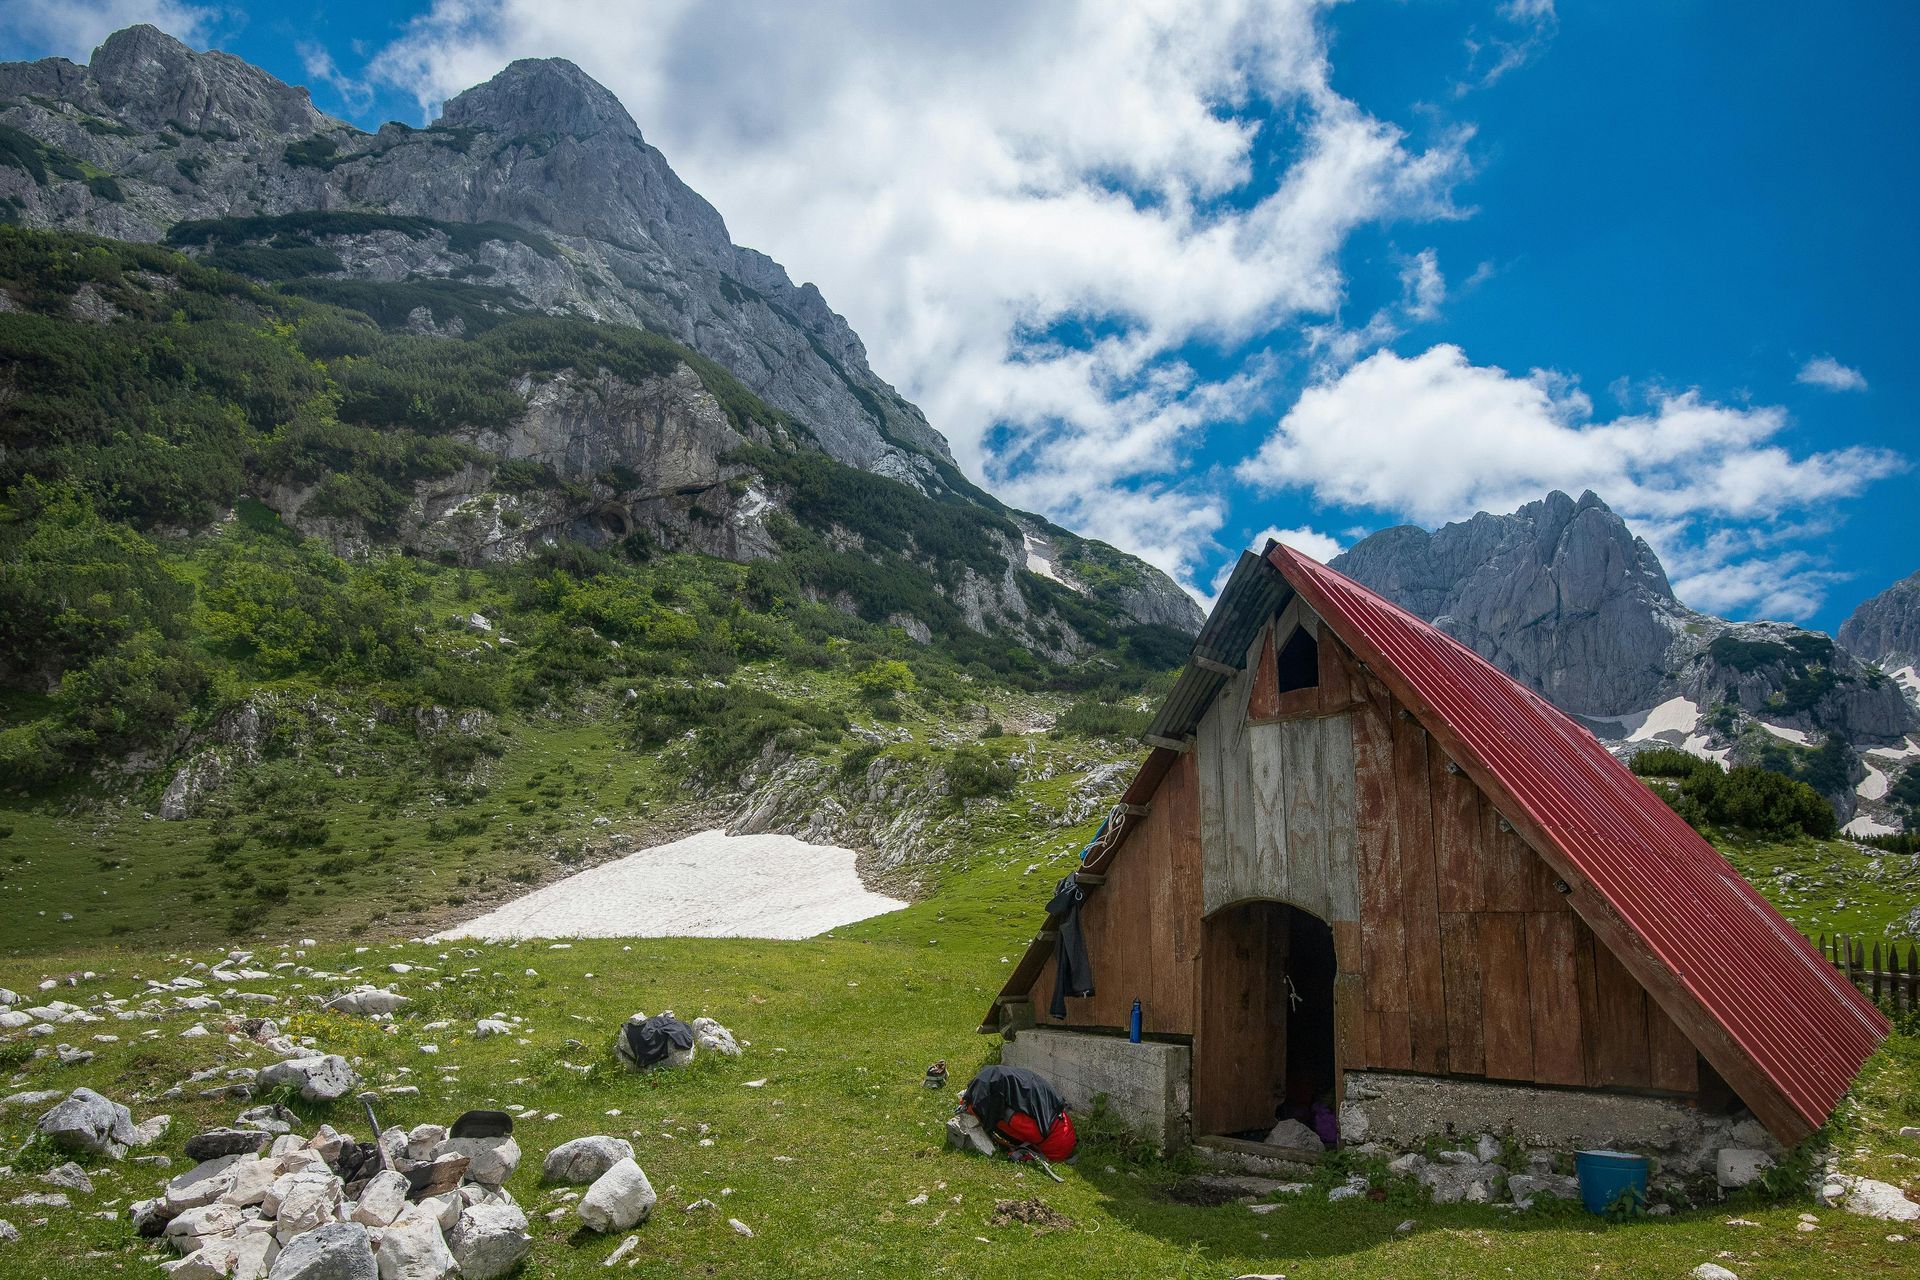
(1357, 847)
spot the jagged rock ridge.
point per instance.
(534, 193)
(1886, 628)
(1561, 595)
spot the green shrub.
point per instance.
(975, 771)
(1091, 718)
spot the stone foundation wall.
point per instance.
(1148, 1085)
(1400, 1111)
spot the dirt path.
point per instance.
(710, 885)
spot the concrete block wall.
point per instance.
(1149, 1086)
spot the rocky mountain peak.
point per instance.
(1886, 629)
(149, 78)
(540, 96)
(1560, 593)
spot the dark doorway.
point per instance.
(1266, 1042)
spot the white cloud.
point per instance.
(1826, 372)
(1321, 546)
(322, 69)
(1422, 286)
(958, 179)
(74, 28)
(1437, 438)
(1491, 57)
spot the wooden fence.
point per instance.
(1884, 970)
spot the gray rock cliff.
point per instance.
(1886, 629)
(534, 193)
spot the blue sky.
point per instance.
(1184, 273)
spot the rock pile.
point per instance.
(417, 1206)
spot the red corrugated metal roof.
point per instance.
(1787, 1014)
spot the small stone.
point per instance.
(1712, 1271)
(740, 1227)
(71, 1176)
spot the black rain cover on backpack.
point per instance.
(650, 1041)
(998, 1092)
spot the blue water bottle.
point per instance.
(1133, 1024)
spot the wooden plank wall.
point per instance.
(1458, 955)
(1474, 964)
(1143, 926)
(1279, 791)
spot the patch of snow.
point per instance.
(1873, 786)
(1675, 715)
(1781, 731)
(1865, 826)
(1697, 744)
(710, 885)
(1901, 752)
(1907, 678)
(1037, 563)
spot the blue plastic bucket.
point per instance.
(1605, 1176)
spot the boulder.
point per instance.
(489, 1240)
(710, 1035)
(319, 1079)
(252, 1179)
(87, 1122)
(1712, 1271)
(149, 1216)
(382, 1199)
(187, 1230)
(413, 1249)
(367, 1000)
(618, 1198)
(1883, 1200)
(202, 1184)
(424, 1139)
(491, 1161)
(300, 1202)
(584, 1159)
(1294, 1136)
(214, 1143)
(1735, 1167)
(491, 1027)
(337, 1251)
(271, 1118)
(245, 1254)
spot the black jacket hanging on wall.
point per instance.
(1072, 972)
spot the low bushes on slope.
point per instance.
(1745, 797)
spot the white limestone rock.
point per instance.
(413, 1249)
(491, 1160)
(322, 1078)
(711, 1036)
(584, 1159)
(87, 1122)
(381, 1200)
(336, 1251)
(489, 1240)
(618, 1198)
(1735, 1167)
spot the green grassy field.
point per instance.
(823, 1159)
